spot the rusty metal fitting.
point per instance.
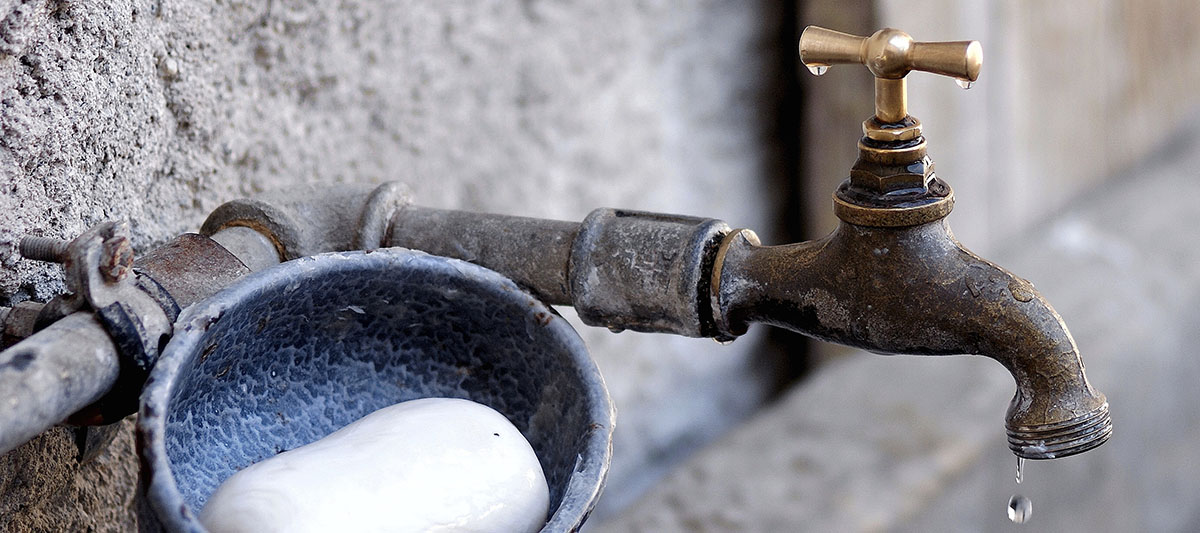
(312, 219)
(884, 179)
(645, 271)
(892, 184)
(908, 207)
(728, 327)
(619, 269)
(116, 258)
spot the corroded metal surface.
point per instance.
(532, 252)
(895, 287)
(916, 290)
(313, 219)
(191, 267)
(620, 269)
(645, 271)
(88, 367)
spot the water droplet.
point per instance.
(965, 84)
(1019, 509)
(818, 70)
(1020, 466)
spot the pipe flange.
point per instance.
(895, 209)
(728, 329)
(376, 218)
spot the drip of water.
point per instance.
(818, 70)
(965, 84)
(1020, 466)
(1019, 509)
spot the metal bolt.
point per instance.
(44, 249)
(116, 259)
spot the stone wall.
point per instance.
(157, 111)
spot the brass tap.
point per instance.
(890, 55)
(892, 183)
(893, 279)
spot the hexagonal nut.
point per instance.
(116, 258)
(892, 178)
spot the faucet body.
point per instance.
(917, 290)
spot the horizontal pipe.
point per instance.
(534, 253)
(52, 374)
(620, 269)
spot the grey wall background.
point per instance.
(159, 111)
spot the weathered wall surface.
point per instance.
(158, 111)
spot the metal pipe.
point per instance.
(52, 374)
(534, 253)
(313, 219)
(72, 363)
(619, 269)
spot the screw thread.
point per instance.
(44, 249)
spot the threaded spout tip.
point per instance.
(1061, 439)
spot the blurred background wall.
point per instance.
(159, 111)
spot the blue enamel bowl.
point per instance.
(287, 355)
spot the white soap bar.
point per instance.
(435, 464)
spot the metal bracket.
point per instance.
(134, 309)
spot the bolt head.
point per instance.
(116, 259)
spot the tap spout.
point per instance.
(916, 290)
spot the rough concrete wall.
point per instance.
(43, 489)
(158, 111)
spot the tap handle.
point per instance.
(890, 55)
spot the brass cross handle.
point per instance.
(890, 55)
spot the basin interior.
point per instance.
(290, 357)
